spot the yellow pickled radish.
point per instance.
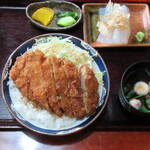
(43, 15)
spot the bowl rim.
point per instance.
(126, 72)
(53, 28)
(77, 128)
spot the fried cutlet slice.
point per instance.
(75, 90)
(28, 77)
(61, 83)
(90, 89)
(18, 77)
(47, 73)
(33, 76)
(35, 81)
(43, 85)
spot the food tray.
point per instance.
(114, 117)
(139, 20)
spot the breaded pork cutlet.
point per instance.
(75, 90)
(61, 83)
(34, 79)
(56, 84)
(90, 89)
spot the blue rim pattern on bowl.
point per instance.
(23, 48)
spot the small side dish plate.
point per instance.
(58, 7)
(22, 120)
(139, 20)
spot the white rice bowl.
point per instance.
(61, 48)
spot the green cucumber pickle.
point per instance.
(65, 14)
(66, 21)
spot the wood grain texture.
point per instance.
(82, 141)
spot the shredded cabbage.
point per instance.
(99, 76)
(64, 48)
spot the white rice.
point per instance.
(37, 115)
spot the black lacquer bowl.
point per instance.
(133, 74)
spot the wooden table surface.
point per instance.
(85, 140)
(115, 129)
